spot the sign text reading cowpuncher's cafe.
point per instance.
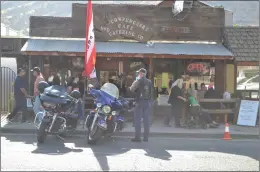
(126, 27)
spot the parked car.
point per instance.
(246, 73)
(249, 83)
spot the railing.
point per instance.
(249, 94)
(7, 89)
(225, 110)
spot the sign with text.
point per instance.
(174, 29)
(136, 22)
(198, 68)
(248, 113)
(136, 65)
(144, 23)
(127, 27)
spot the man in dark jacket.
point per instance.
(177, 101)
(143, 95)
(20, 95)
(211, 93)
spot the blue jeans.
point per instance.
(37, 105)
(80, 109)
(142, 110)
(20, 105)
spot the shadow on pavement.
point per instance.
(116, 146)
(156, 147)
(54, 148)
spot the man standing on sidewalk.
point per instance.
(143, 89)
(37, 104)
(20, 95)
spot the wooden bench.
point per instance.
(224, 111)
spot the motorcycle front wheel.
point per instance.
(41, 132)
(94, 136)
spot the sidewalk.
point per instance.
(157, 130)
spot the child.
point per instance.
(194, 104)
(192, 100)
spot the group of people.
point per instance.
(182, 94)
(21, 95)
(141, 88)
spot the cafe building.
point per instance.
(132, 36)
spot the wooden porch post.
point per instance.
(150, 70)
(30, 75)
(220, 77)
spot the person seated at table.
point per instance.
(195, 110)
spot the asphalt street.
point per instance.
(21, 153)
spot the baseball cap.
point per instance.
(142, 70)
(36, 69)
(19, 70)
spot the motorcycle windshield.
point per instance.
(110, 89)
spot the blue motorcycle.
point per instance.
(60, 113)
(107, 118)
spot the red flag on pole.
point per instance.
(90, 51)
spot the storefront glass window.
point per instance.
(106, 75)
(201, 79)
(248, 78)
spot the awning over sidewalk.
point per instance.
(78, 46)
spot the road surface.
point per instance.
(20, 152)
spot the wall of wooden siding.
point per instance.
(204, 23)
(12, 45)
(46, 26)
(107, 65)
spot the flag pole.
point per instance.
(86, 50)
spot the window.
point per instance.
(248, 78)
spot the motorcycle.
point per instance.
(60, 113)
(107, 118)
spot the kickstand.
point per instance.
(61, 138)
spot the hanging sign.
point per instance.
(198, 68)
(136, 65)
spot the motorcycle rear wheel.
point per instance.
(42, 133)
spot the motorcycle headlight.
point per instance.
(106, 109)
(99, 105)
(113, 112)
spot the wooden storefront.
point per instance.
(137, 35)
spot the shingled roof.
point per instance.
(243, 42)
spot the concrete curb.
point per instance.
(130, 134)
